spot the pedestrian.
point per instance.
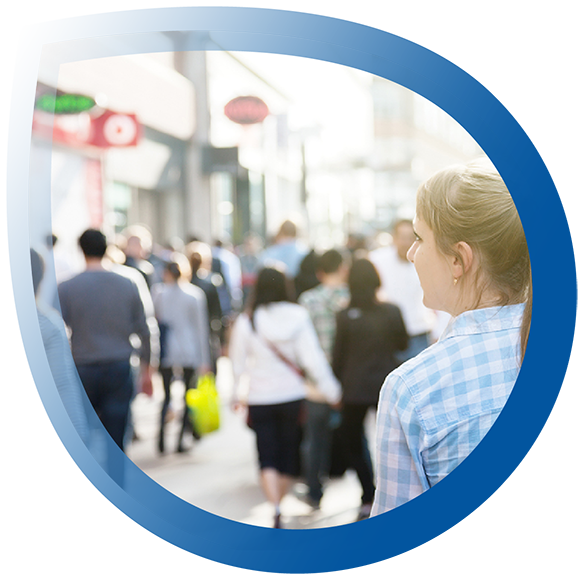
(58, 268)
(182, 314)
(248, 253)
(369, 334)
(228, 264)
(116, 261)
(200, 260)
(273, 345)
(56, 345)
(357, 245)
(136, 243)
(472, 260)
(307, 278)
(286, 252)
(322, 302)
(400, 286)
(103, 309)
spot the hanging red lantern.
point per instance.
(246, 110)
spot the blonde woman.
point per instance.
(472, 261)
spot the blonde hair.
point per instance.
(471, 203)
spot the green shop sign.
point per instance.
(64, 104)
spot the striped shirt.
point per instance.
(435, 408)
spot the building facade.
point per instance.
(339, 151)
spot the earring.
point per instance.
(455, 281)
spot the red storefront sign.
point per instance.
(115, 130)
(109, 129)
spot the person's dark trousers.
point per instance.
(317, 445)
(351, 435)
(109, 387)
(188, 375)
(278, 430)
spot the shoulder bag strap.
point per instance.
(279, 355)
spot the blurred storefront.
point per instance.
(190, 169)
(119, 162)
(214, 145)
(254, 161)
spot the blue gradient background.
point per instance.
(509, 76)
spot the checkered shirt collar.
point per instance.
(483, 320)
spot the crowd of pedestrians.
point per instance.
(318, 340)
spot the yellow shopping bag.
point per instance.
(204, 405)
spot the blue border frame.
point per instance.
(509, 76)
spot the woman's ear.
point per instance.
(462, 260)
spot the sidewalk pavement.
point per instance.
(219, 473)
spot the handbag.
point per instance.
(204, 405)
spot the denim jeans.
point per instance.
(109, 387)
(317, 445)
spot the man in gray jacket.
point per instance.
(103, 311)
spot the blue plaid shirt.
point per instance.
(435, 408)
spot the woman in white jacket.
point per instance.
(274, 346)
(182, 314)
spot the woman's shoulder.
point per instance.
(298, 312)
(282, 317)
(242, 323)
(424, 364)
(242, 318)
(193, 292)
(440, 365)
